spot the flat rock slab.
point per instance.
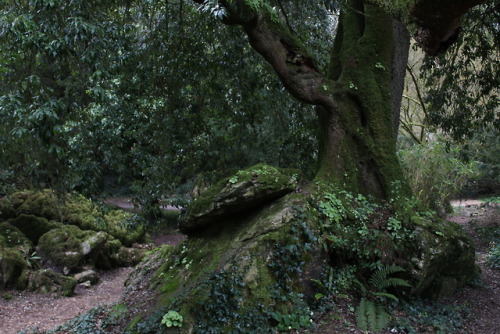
(246, 190)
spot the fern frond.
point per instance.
(361, 318)
(394, 282)
(386, 295)
(362, 287)
(371, 314)
(378, 277)
(383, 319)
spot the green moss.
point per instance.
(34, 227)
(47, 281)
(267, 177)
(6, 208)
(12, 264)
(63, 245)
(77, 210)
(12, 237)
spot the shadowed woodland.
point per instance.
(249, 166)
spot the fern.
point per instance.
(361, 312)
(371, 315)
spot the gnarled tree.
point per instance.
(359, 96)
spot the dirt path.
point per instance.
(45, 311)
(483, 300)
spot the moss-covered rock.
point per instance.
(127, 256)
(248, 189)
(12, 237)
(243, 265)
(123, 227)
(243, 270)
(15, 250)
(77, 210)
(87, 276)
(6, 208)
(70, 247)
(12, 264)
(444, 258)
(34, 227)
(46, 280)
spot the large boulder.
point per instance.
(12, 265)
(15, 250)
(49, 281)
(33, 227)
(76, 210)
(246, 190)
(69, 248)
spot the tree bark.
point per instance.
(359, 98)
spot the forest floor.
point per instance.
(20, 310)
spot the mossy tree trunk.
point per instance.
(358, 146)
(358, 97)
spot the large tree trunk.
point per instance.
(358, 146)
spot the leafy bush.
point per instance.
(436, 173)
(484, 147)
(420, 316)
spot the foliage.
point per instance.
(484, 147)
(371, 313)
(172, 319)
(287, 322)
(423, 316)
(436, 173)
(357, 229)
(462, 85)
(101, 98)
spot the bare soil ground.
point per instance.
(23, 310)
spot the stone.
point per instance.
(47, 281)
(12, 265)
(77, 210)
(93, 242)
(87, 276)
(33, 227)
(126, 257)
(244, 191)
(6, 208)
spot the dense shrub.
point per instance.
(436, 173)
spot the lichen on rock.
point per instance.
(246, 190)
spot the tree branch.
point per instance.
(433, 23)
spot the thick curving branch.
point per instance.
(291, 61)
